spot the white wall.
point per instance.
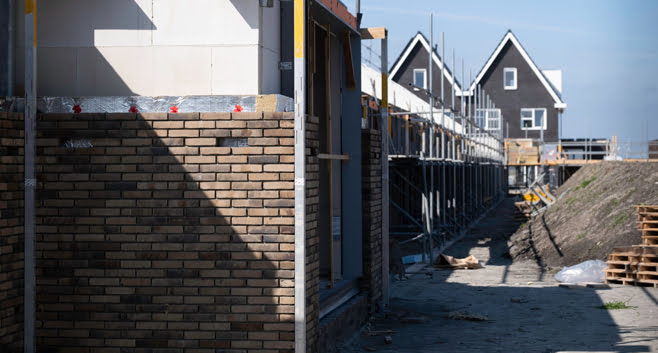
(154, 48)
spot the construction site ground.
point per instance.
(594, 215)
(507, 306)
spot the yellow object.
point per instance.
(299, 28)
(530, 197)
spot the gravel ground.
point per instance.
(523, 308)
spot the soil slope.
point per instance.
(594, 215)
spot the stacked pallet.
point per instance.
(637, 265)
(522, 211)
(647, 218)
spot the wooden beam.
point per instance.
(341, 157)
(373, 33)
(349, 64)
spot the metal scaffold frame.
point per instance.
(446, 170)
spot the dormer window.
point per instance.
(420, 78)
(509, 78)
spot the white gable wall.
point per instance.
(153, 48)
(555, 78)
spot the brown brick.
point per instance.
(215, 150)
(168, 124)
(200, 159)
(246, 168)
(183, 133)
(279, 133)
(199, 124)
(279, 150)
(200, 141)
(247, 116)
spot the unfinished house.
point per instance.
(528, 106)
(411, 70)
(164, 178)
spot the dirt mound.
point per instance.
(595, 214)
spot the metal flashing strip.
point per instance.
(147, 104)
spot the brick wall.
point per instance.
(11, 231)
(312, 236)
(372, 215)
(166, 235)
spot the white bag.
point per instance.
(588, 271)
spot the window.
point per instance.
(420, 78)
(533, 119)
(488, 119)
(493, 119)
(480, 118)
(509, 77)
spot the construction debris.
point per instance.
(464, 315)
(588, 271)
(536, 198)
(446, 261)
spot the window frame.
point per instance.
(516, 78)
(424, 71)
(487, 116)
(533, 119)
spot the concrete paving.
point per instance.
(523, 307)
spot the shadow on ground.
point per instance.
(519, 319)
(523, 308)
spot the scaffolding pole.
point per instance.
(430, 209)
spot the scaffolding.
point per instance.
(445, 169)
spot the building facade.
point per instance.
(528, 99)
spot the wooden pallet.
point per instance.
(632, 282)
(646, 213)
(648, 267)
(646, 208)
(636, 265)
(650, 240)
(629, 254)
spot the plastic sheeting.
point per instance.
(588, 271)
(201, 104)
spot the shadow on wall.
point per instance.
(69, 64)
(169, 232)
(11, 231)
(245, 9)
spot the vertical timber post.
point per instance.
(384, 132)
(300, 175)
(10, 48)
(30, 181)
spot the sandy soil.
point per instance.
(595, 214)
(525, 310)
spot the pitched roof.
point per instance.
(415, 40)
(510, 37)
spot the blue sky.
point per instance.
(607, 50)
